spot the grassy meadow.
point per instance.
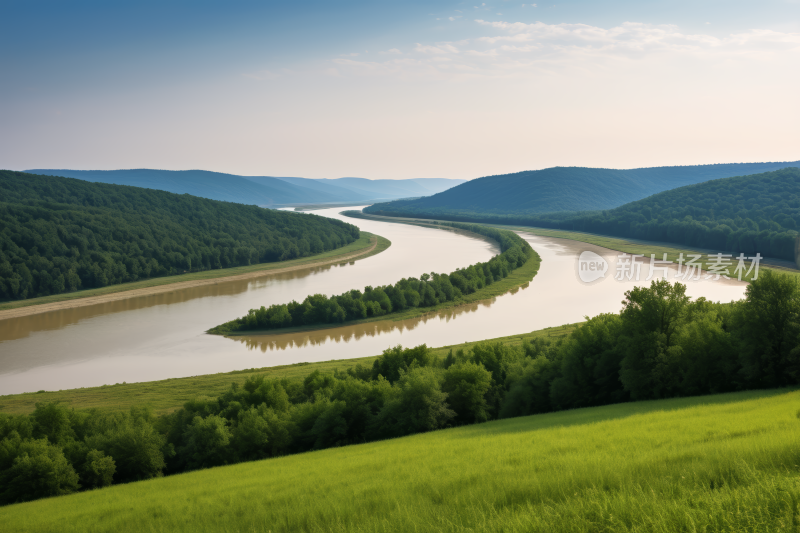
(715, 463)
(167, 395)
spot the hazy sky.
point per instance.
(401, 89)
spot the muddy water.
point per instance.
(555, 297)
(162, 336)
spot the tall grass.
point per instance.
(714, 463)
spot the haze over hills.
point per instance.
(374, 189)
(260, 190)
(334, 193)
(565, 189)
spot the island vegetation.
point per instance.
(745, 214)
(427, 291)
(661, 345)
(61, 234)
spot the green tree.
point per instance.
(649, 319)
(590, 367)
(418, 405)
(97, 470)
(395, 360)
(767, 323)
(38, 469)
(207, 442)
(466, 385)
(137, 448)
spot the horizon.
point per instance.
(392, 179)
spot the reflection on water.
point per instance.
(162, 336)
(345, 334)
(17, 328)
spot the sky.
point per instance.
(397, 89)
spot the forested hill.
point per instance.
(759, 213)
(744, 214)
(564, 189)
(62, 234)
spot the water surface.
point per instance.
(161, 336)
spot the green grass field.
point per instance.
(365, 241)
(170, 394)
(705, 464)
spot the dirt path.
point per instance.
(147, 291)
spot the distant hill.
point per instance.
(749, 214)
(565, 189)
(752, 214)
(267, 191)
(260, 190)
(384, 189)
(332, 192)
(61, 234)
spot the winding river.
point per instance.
(162, 336)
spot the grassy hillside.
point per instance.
(61, 234)
(716, 463)
(562, 189)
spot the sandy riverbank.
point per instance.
(179, 285)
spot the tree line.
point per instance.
(660, 345)
(745, 214)
(61, 234)
(409, 293)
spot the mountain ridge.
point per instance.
(267, 191)
(561, 189)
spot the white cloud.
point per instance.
(523, 49)
(394, 51)
(439, 48)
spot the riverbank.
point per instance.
(614, 244)
(167, 395)
(367, 245)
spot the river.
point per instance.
(162, 336)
